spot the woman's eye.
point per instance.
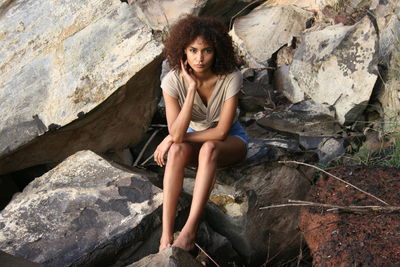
(209, 51)
(192, 50)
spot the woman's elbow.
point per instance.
(222, 135)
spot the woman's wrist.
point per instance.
(192, 88)
(169, 138)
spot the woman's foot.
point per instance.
(165, 243)
(185, 241)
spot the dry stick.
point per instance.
(335, 207)
(205, 253)
(149, 158)
(144, 147)
(315, 167)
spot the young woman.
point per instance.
(200, 94)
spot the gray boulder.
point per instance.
(161, 14)
(171, 257)
(85, 211)
(262, 32)
(387, 15)
(305, 4)
(337, 66)
(86, 68)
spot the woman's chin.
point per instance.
(201, 70)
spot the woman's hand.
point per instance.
(188, 76)
(161, 150)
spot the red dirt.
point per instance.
(354, 239)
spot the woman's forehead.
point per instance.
(200, 42)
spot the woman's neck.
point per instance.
(204, 76)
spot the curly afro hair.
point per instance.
(187, 29)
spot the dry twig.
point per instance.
(205, 253)
(145, 147)
(335, 207)
(337, 178)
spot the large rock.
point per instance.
(61, 61)
(240, 192)
(387, 15)
(305, 4)
(85, 211)
(389, 95)
(337, 66)
(171, 257)
(261, 33)
(161, 14)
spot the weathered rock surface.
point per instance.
(337, 66)
(266, 29)
(61, 61)
(240, 192)
(387, 17)
(348, 238)
(161, 14)
(171, 257)
(389, 95)
(305, 4)
(312, 125)
(387, 14)
(301, 124)
(85, 211)
(8, 260)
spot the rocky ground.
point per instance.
(347, 238)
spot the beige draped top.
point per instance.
(204, 117)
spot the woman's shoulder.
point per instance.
(172, 78)
(172, 75)
(235, 76)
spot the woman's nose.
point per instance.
(200, 56)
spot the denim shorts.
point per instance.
(236, 130)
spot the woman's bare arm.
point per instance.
(178, 118)
(220, 132)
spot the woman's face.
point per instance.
(200, 55)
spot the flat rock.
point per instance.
(85, 68)
(301, 123)
(275, 26)
(349, 238)
(85, 211)
(337, 66)
(311, 5)
(171, 257)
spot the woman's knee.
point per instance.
(209, 150)
(180, 150)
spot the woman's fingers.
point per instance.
(159, 158)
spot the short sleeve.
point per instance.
(234, 84)
(169, 84)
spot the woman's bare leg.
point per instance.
(212, 153)
(178, 158)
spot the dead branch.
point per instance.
(336, 207)
(145, 147)
(205, 253)
(337, 178)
